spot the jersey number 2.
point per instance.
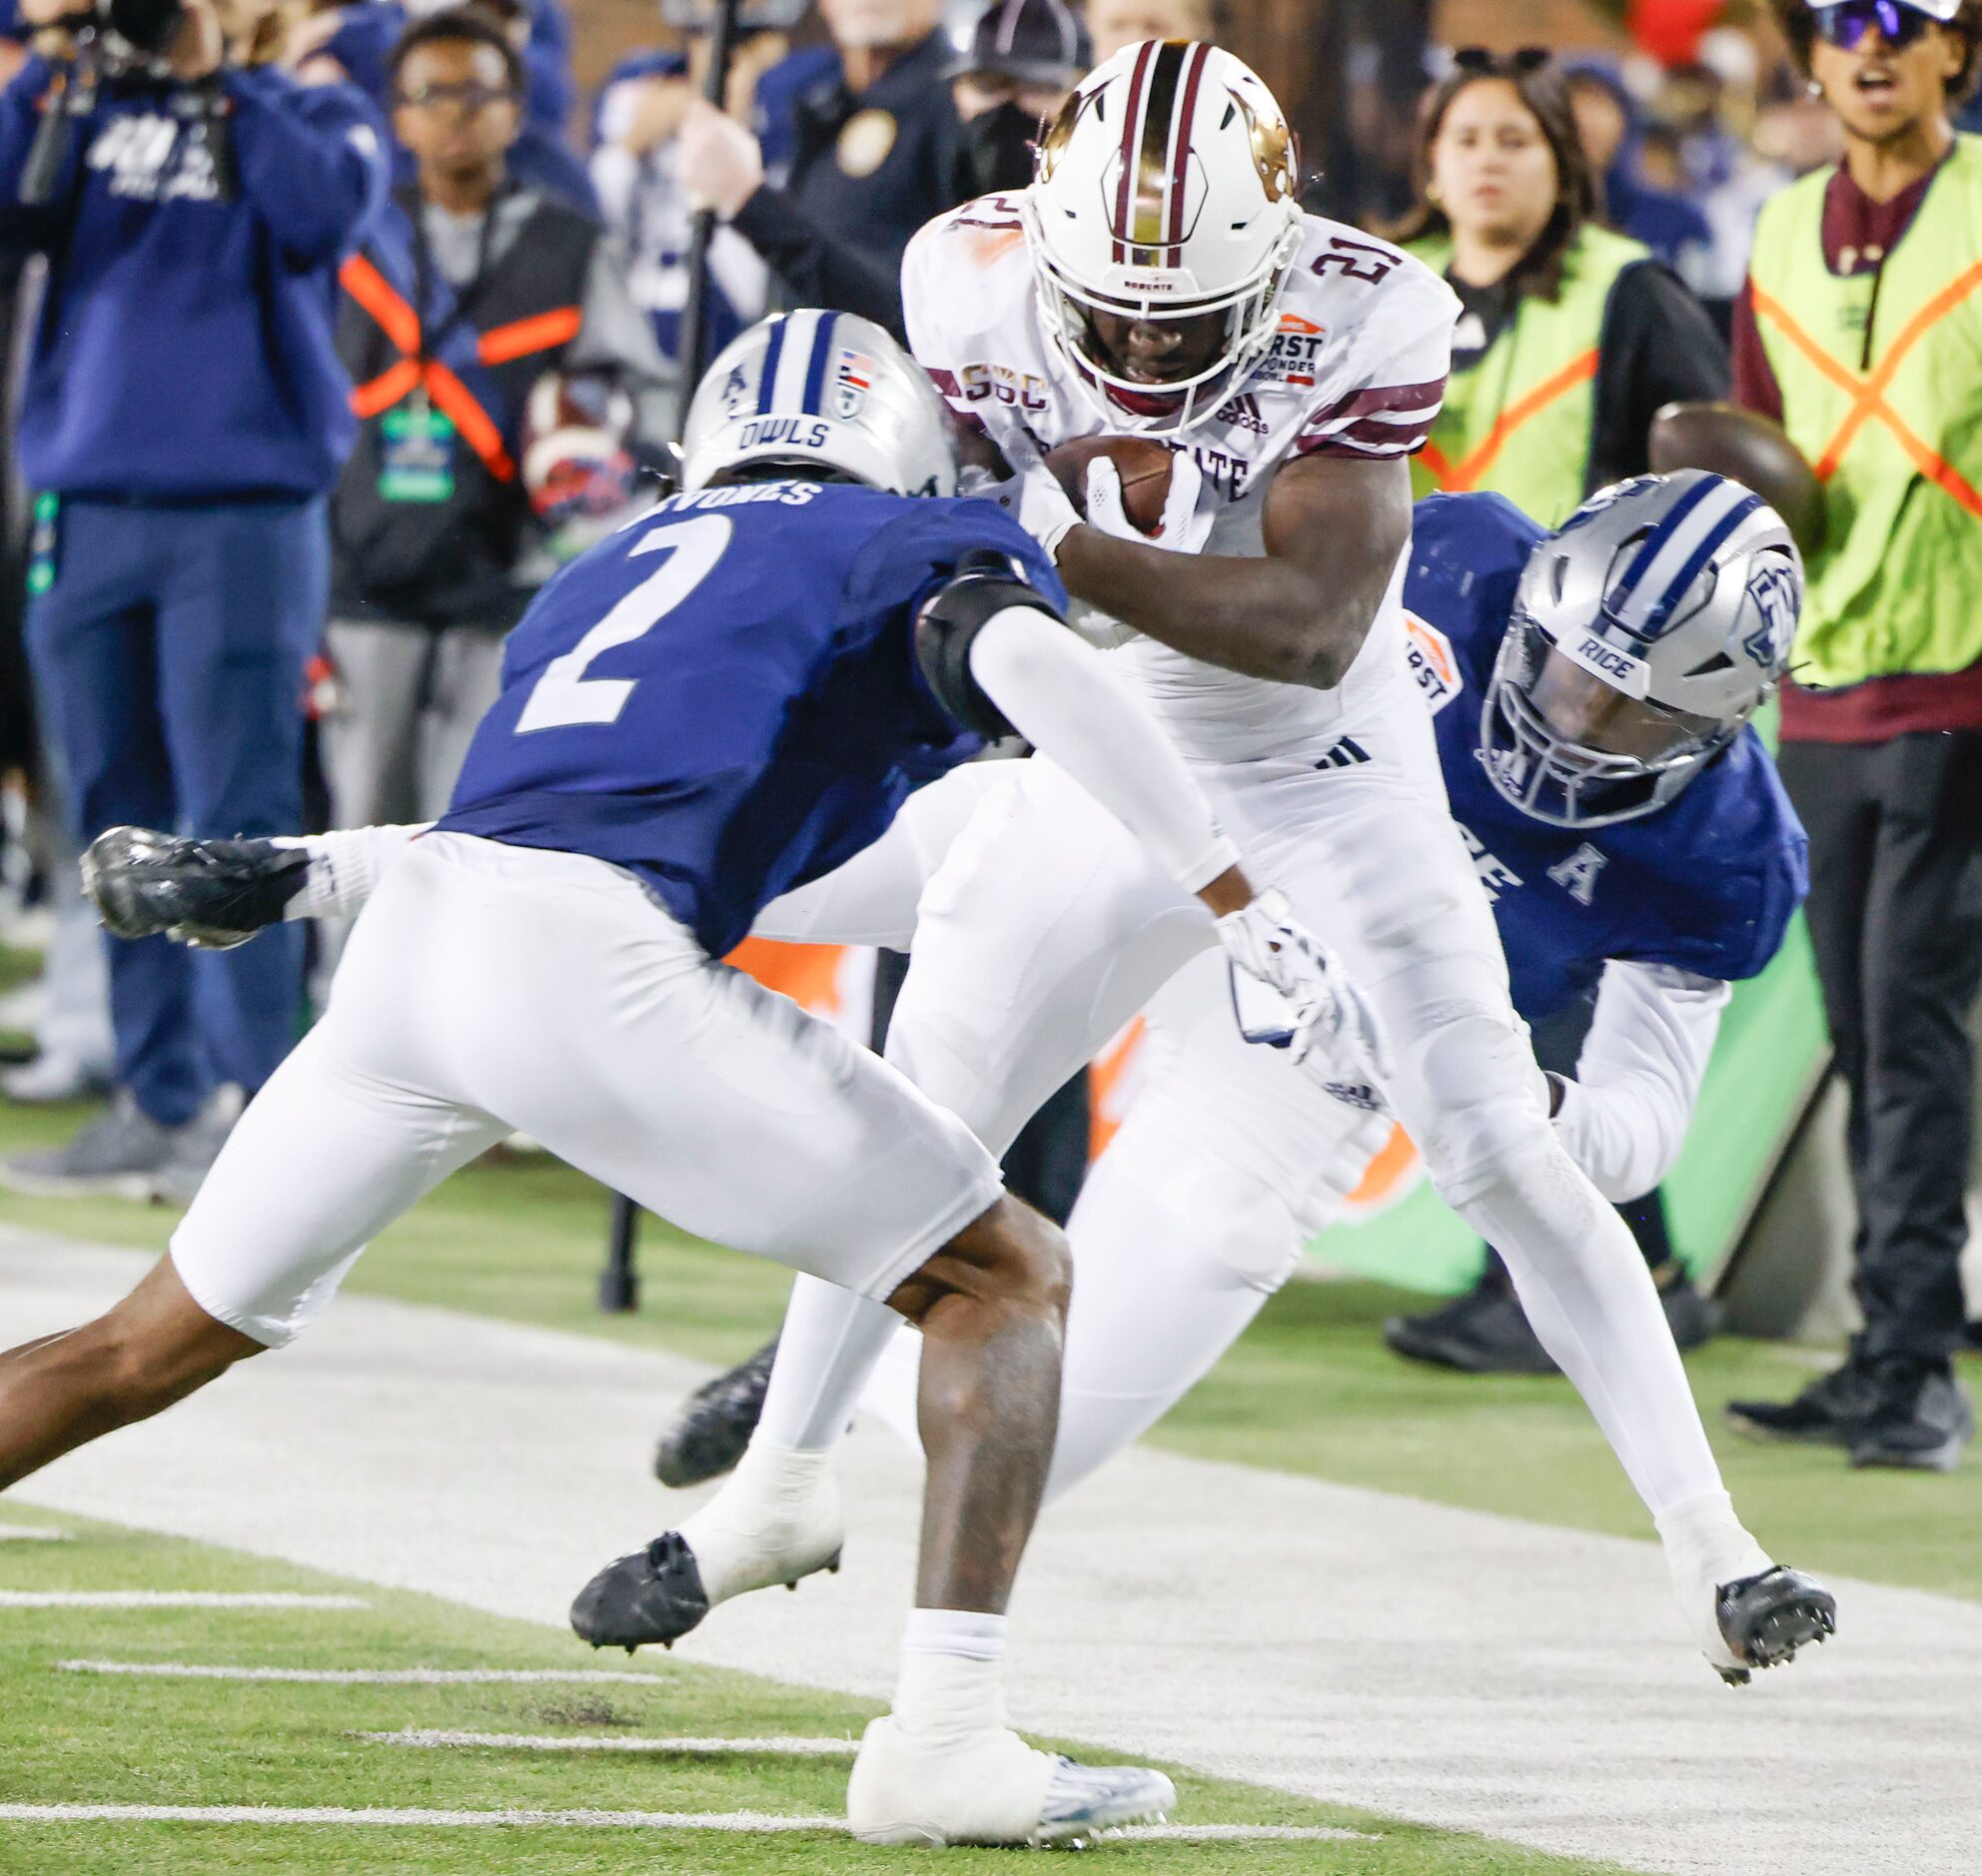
(565, 694)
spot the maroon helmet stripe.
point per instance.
(1125, 189)
(1199, 57)
(1153, 167)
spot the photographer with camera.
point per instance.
(183, 417)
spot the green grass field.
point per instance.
(97, 1740)
(1310, 1389)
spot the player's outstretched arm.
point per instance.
(215, 894)
(1059, 694)
(1335, 529)
(1626, 1115)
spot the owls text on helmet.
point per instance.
(1167, 192)
(826, 391)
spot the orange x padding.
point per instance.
(539, 333)
(476, 426)
(385, 391)
(371, 289)
(1868, 395)
(1463, 477)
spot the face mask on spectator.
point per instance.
(998, 147)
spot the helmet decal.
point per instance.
(1273, 150)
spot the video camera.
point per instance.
(114, 40)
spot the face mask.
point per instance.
(997, 149)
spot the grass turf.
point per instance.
(68, 1738)
(1309, 1388)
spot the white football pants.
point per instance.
(1045, 929)
(488, 988)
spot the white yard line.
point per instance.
(32, 1534)
(404, 1819)
(370, 1676)
(751, 1822)
(1463, 1670)
(171, 1599)
(778, 1745)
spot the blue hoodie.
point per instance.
(185, 350)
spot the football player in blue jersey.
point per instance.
(1591, 694)
(1591, 691)
(725, 701)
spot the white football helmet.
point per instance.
(1167, 190)
(821, 388)
(1644, 636)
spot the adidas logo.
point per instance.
(1345, 754)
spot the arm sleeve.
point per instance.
(614, 336)
(310, 160)
(344, 867)
(1624, 1118)
(1061, 696)
(820, 269)
(1755, 388)
(1659, 347)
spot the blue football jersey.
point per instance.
(725, 698)
(1708, 883)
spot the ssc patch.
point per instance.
(1428, 652)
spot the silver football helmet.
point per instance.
(824, 389)
(1644, 636)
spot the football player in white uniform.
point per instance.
(1160, 279)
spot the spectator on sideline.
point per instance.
(1024, 57)
(1571, 340)
(635, 172)
(875, 157)
(490, 284)
(1113, 24)
(357, 41)
(1856, 332)
(186, 412)
(1610, 124)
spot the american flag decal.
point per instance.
(853, 378)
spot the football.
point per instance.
(1144, 467)
(1749, 450)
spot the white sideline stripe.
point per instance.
(365, 1676)
(31, 1534)
(782, 1744)
(1240, 1834)
(402, 1819)
(748, 1822)
(170, 1599)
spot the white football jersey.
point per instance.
(1358, 367)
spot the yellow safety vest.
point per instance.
(1519, 421)
(1892, 421)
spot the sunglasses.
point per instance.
(1478, 62)
(1847, 24)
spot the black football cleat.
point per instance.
(654, 1595)
(1764, 1619)
(211, 893)
(1485, 1332)
(1921, 1420)
(714, 1424)
(1830, 1411)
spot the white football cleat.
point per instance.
(989, 1788)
